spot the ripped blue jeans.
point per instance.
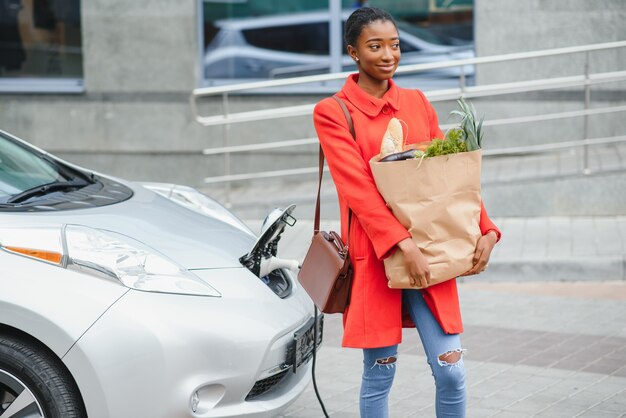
(379, 365)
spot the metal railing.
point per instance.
(586, 80)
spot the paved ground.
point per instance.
(534, 349)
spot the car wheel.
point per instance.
(34, 383)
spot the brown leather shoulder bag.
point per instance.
(326, 272)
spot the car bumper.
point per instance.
(156, 355)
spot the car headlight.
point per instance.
(105, 254)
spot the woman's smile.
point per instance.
(389, 67)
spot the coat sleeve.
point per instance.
(353, 180)
(486, 225)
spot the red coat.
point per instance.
(375, 316)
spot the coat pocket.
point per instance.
(360, 245)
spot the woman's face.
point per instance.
(377, 50)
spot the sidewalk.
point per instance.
(534, 349)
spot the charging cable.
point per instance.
(313, 366)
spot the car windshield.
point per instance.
(21, 169)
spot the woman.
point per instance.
(376, 314)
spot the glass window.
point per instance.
(264, 39)
(407, 47)
(425, 34)
(306, 38)
(40, 45)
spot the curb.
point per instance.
(552, 269)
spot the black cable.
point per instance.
(313, 366)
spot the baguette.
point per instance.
(393, 139)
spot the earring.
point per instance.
(356, 59)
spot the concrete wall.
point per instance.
(140, 64)
(509, 26)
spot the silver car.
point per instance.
(298, 44)
(129, 301)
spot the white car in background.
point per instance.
(298, 44)
(123, 300)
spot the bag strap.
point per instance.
(316, 223)
(347, 114)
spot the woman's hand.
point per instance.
(415, 263)
(484, 246)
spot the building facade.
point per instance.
(116, 97)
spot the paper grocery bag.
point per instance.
(438, 200)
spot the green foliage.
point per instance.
(451, 144)
(472, 129)
(466, 137)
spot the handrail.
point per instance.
(257, 147)
(491, 122)
(439, 95)
(534, 149)
(215, 90)
(529, 149)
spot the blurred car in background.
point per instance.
(125, 300)
(298, 44)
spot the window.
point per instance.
(261, 39)
(306, 38)
(407, 47)
(40, 46)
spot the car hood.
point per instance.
(193, 240)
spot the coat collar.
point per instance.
(370, 105)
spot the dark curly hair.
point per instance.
(362, 17)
